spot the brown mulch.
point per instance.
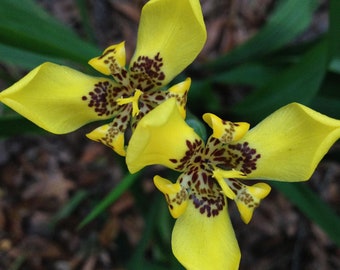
(39, 175)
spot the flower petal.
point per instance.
(151, 99)
(180, 92)
(287, 145)
(60, 99)
(201, 242)
(176, 196)
(225, 131)
(248, 197)
(111, 136)
(159, 138)
(220, 176)
(112, 62)
(171, 34)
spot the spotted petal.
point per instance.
(225, 131)
(111, 136)
(201, 242)
(161, 136)
(171, 34)
(287, 145)
(180, 92)
(60, 99)
(112, 62)
(175, 194)
(248, 197)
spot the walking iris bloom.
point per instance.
(286, 146)
(60, 99)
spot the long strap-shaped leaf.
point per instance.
(125, 183)
(25, 25)
(313, 207)
(298, 83)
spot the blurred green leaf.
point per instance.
(202, 98)
(289, 19)
(24, 59)
(334, 32)
(298, 83)
(253, 74)
(197, 125)
(313, 207)
(23, 24)
(125, 183)
(152, 219)
(86, 19)
(69, 207)
(327, 105)
(335, 65)
(15, 124)
(18, 263)
(330, 85)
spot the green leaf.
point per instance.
(25, 25)
(289, 19)
(70, 206)
(334, 31)
(202, 98)
(85, 15)
(335, 65)
(253, 74)
(15, 124)
(197, 125)
(152, 219)
(125, 183)
(327, 105)
(333, 35)
(313, 207)
(25, 59)
(18, 262)
(298, 83)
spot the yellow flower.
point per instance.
(60, 99)
(286, 146)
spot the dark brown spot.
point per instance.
(101, 98)
(147, 73)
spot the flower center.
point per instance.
(133, 99)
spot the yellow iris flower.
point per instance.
(286, 146)
(60, 99)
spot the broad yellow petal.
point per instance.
(161, 137)
(60, 99)
(287, 145)
(171, 34)
(202, 242)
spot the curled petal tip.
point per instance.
(104, 134)
(225, 131)
(180, 93)
(249, 197)
(111, 61)
(176, 196)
